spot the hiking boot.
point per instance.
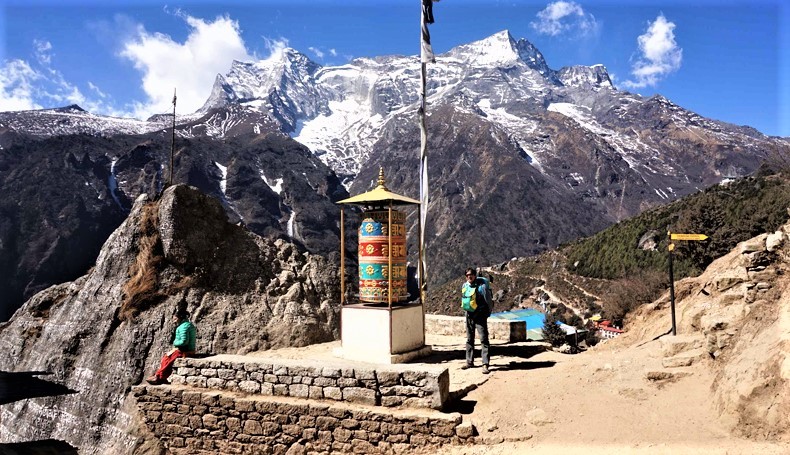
(153, 380)
(485, 369)
(467, 366)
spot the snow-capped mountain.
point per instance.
(339, 112)
(606, 152)
(523, 155)
(75, 120)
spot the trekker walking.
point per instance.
(477, 310)
(183, 346)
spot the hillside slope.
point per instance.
(736, 316)
(625, 265)
(721, 386)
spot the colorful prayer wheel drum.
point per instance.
(374, 257)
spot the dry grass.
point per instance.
(626, 294)
(141, 291)
(145, 288)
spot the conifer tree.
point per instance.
(552, 331)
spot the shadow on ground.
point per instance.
(43, 447)
(465, 407)
(23, 385)
(525, 365)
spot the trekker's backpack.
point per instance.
(469, 298)
(469, 295)
(489, 294)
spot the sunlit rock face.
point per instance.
(107, 330)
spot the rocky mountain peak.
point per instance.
(530, 55)
(502, 50)
(499, 48)
(72, 108)
(292, 57)
(221, 94)
(283, 85)
(585, 76)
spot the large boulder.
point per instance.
(107, 330)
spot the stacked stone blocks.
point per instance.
(388, 385)
(498, 329)
(192, 421)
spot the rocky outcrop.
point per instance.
(105, 331)
(62, 196)
(734, 320)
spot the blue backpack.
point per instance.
(469, 295)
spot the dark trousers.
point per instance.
(166, 368)
(477, 321)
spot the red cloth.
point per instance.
(166, 369)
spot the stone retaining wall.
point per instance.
(498, 329)
(376, 385)
(190, 421)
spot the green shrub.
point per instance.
(728, 214)
(591, 337)
(552, 332)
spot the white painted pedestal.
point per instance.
(378, 334)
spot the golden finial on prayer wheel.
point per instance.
(381, 181)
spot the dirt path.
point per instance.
(538, 401)
(597, 402)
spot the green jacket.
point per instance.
(185, 337)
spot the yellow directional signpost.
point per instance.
(670, 248)
(687, 236)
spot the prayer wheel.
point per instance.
(381, 324)
(375, 257)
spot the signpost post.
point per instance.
(670, 247)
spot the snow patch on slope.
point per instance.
(291, 221)
(112, 183)
(519, 129)
(224, 182)
(581, 115)
(346, 134)
(277, 186)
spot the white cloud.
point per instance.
(333, 52)
(43, 49)
(561, 17)
(275, 47)
(25, 86)
(17, 91)
(190, 67)
(318, 53)
(660, 54)
(96, 89)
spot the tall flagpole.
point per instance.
(426, 56)
(173, 141)
(423, 183)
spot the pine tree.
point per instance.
(552, 332)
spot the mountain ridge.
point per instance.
(601, 154)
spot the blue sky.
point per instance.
(725, 59)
